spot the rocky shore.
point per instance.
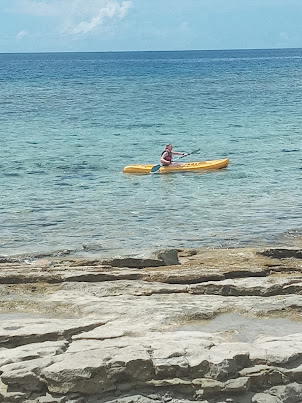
(209, 325)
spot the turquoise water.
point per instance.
(70, 122)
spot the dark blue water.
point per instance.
(70, 122)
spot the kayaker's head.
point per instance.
(169, 147)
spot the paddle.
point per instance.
(157, 167)
(192, 152)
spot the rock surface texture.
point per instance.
(210, 325)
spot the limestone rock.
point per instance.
(222, 325)
(264, 398)
(24, 376)
(31, 351)
(277, 350)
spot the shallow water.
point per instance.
(241, 328)
(71, 122)
(4, 316)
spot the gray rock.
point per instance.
(16, 333)
(132, 262)
(13, 397)
(291, 393)
(24, 376)
(169, 257)
(208, 387)
(227, 359)
(264, 398)
(161, 258)
(277, 350)
(32, 351)
(237, 385)
(51, 399)
(283, 253)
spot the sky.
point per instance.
(136, 25)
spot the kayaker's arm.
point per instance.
(178, 153)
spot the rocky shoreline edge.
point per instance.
(209, 325)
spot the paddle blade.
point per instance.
(195, 151)
(155, 168)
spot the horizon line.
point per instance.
(149, 51)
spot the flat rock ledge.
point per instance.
(209, 325)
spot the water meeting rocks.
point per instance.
(210, 325)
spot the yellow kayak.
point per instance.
(188, 167)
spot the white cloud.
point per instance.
(78, 16)
(21, 35)
(111, 10)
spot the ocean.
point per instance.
(70, 122)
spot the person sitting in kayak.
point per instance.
(167, 154)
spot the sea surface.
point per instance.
(70, 122)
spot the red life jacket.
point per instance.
(168, 157)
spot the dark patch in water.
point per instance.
(6, 102)
(294, 150)
(126, 156)
(36, 172)
(11, 174)
(143, 125)
(63, 184)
